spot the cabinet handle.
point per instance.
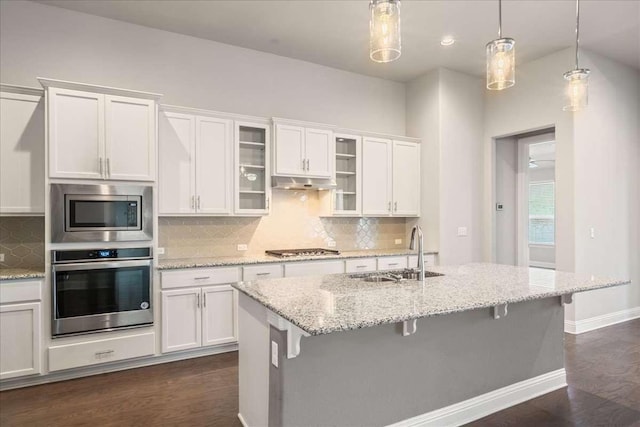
(389, 206)
(204, 300)
(361, 266)
(198, 202)
(392, 264)
(267, 203)
(101, 354)
(202, 278)
(262, 274)
(101, 167)
(395, 206)
(193, 202)
(198, 301)
(308, 167)
(304, 164)
(108, 168)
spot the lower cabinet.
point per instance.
(20, 328)
(198, 317)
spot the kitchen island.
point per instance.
(342, 350)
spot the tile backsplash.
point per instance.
(22, 241)
(294, 222)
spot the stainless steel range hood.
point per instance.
(299, 183)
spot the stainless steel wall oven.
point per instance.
(101, 213)
(101, 289)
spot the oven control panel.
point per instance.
(100, 254)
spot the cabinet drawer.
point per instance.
(313, 268)
(199, 277)
(271, 271)
(392, 263)
(93, 352)
(429, 260)
(360, 265)
(20, 290)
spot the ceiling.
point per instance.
(335, 32)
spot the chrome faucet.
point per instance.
(412, 246)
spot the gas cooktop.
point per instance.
(292, 253)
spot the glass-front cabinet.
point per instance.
(347, 198)
(252, 168)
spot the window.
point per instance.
(542, 213)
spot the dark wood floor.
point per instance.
(603, 369)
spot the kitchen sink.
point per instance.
(393, 275)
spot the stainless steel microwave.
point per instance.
(101, 213)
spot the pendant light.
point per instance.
(577, 94)
(501, 61)
(384, 30)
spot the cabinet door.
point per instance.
(76, 134)
(181, 319)
(289, 150)
(213, 165)
(319, 152)
(130, 128)
(19, 340)
(176, 174)
(252, 168)
(376, 176)
(406, 178)
(219, 315)
(21, 153)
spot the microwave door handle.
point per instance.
(101, 265)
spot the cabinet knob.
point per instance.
(395, 206)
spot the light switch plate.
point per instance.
(274, 353)
(160, 251)
(243, 247)
(398, 241)
(331, 243)
(1, 257)
(462, 231)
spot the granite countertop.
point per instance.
(21, 273)
(331, 303)
(170, 264)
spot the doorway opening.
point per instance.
(525, 199)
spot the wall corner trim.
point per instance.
(488, 403)
(597, 322)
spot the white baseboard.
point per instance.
(71, 374)
(244, 424)
(488, 403)
(597, 322)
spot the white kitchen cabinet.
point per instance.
(20, 328)
(390, 177)
(219, 315)
(261, 271)
(313, 268)
(195, 164)
(392, 263)
(252, 168)
(429, 261)
(303, 151)
(100, 133)
(361, 265)
(21, 150)
(347, 197)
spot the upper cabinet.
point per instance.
(347, 197)
(21, 150)
(195, 164)
(303, 151)
(100, 133)
(252, 172)
(390, 177)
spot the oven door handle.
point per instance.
(101, 265)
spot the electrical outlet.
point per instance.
(243, 247)
(331, 243)
(1, 257)
(398, 241)
(274, 353)
(160, 251)
(462, 231)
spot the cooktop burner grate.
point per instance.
(291, 253)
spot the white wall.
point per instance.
(44, 41)
(507, 193)
(597, 164)
(445, 110)
(607, 185)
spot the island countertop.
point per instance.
(331, 303)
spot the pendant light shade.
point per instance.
(384, 28)
(501, 59)
(577, 92)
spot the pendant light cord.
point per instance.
(499, 19)
(577, 30)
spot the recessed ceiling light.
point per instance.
(447, 41)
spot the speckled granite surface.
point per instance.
(324, 304)
(21, 273)
(170, 264)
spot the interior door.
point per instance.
(219, 315)
(176, 177)
(181, 319)
(406, 178)
(289, 152)
(376, 176)
(130, 138)
(319, 153)
(213, 165)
